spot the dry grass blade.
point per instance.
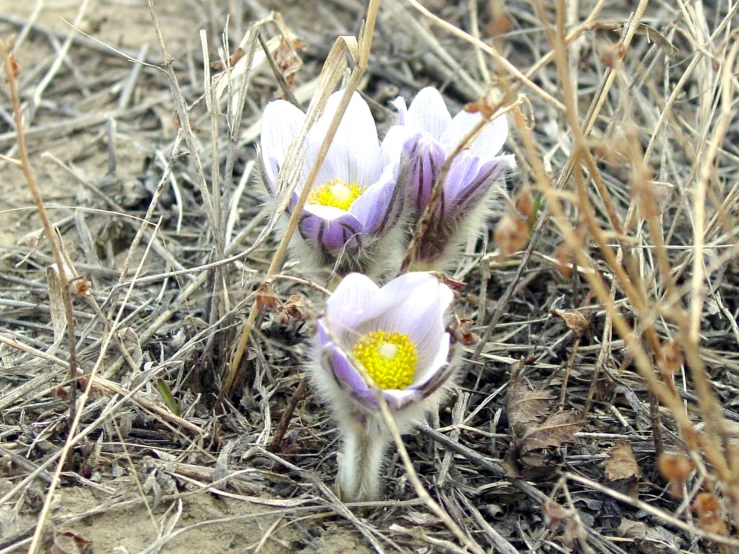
(330, 75)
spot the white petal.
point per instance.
(392, 144)
(280, 123)
(354, 156)
(352, 302)
(462, 124)
(429, 113)
(399, 104)
(426, 372)
(489, 141)
(329, 213)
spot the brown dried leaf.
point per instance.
(56, 288)
(650, 539)
(218, 65)
(525, 406)
(295, 307)
(540, 465)
(574, 532)
(267, 300)
(621, 464)
(456, 286)
(509, 463)
(538, 451)
(288, 60)
(177, 123)
(612, 55)
(622, 470)
(481, 106)
(557, 430)
(577, 322)
(658, 38)
(70, 543)
(462, 332)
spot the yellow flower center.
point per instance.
(389, 358)
(336, 194)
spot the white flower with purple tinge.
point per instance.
(354, 202)
(398, 335)
(427, 134)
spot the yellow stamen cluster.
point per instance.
(336, 194)
(389, 358)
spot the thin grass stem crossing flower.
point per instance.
(396, 336)
(426, 135)
(352, 213)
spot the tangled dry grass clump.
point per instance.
(154, 330)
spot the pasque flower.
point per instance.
(428, 134)
(354, 206)
(397, 335)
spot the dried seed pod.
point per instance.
(710, 514)
(613, 54)
(511, 235)
(525, 203)
(676, 469)
(670, 357)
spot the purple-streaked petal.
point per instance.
(479, 180)
(354, 156)
(376, 207)
(280, 123)
(425, 158)
(428, 113)
(462, 174)
(329, 236)
(344, 372)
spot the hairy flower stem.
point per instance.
(362, 455)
